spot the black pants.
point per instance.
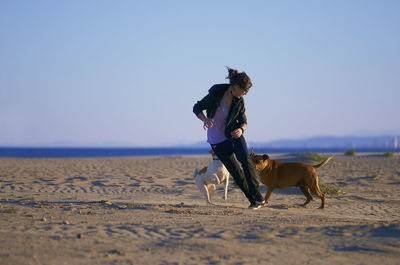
(246, 179)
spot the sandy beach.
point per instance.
(147, 210)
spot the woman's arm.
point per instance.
(202, 104)
(242, 119)
(207, 123)
(239, 131)
(198, 110)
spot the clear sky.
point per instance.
(128, 72)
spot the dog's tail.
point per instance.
(323, 163)
(196, 172)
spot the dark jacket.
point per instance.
(211, 102)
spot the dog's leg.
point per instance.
(268, 195)
(210, 188)
(226, 188)
(317, 191)
(306, 192)
(203, 188)
(214, 179)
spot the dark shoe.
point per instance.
(254, 206)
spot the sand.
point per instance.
(147, 210)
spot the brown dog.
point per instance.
(279, 175)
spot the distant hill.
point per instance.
(388, 142)
(362, 142)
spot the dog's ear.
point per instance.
(252, 152)
(265, 157)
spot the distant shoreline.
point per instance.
(90, 152)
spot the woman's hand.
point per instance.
(237, 133)
(208, 124)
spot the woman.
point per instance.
(225, 124)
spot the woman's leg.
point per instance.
(224, 152)
(242, 154)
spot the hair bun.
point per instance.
(232, 72)
(240, 79)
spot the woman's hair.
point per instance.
(240, 79)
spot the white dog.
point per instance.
(214, 174)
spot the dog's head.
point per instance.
(214, 156)
(260, 161)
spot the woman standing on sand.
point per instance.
(225, 123)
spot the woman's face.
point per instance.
(237, 91)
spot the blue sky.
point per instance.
(95, 73)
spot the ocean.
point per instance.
(74, 152)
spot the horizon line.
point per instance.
(194, 144)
